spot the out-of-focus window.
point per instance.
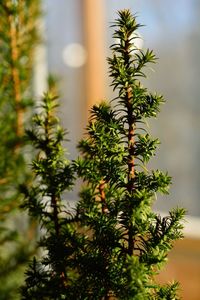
(66, 57)
(172, 30)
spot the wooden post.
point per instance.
(94, 25)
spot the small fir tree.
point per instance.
(128, 241)
(18, 38)
(113, 244)
(49, 275)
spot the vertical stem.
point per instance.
(103, 196)
(21, 14)
(131, 169)
(15, 72)
(55, 214)
(131, 141)
(131, 124)
(54, 205)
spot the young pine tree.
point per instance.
(114, 244)
(49, 276)
(18, 38)
(128, 242)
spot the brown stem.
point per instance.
(15, 73)
(55, 214)
(131, 123)
(103, 196)
(131, 167)
(21, 14)
(131, 129)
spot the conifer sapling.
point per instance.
(48, 274)
(114, 244)
(129, 242)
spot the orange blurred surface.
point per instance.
(184, 266)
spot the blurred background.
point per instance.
(77, 38)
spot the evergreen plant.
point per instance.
(129, 242)
(18, 38)
(49, 275)
(113, 244)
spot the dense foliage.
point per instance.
(113, 244)
(48, 275)
(18, 37)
